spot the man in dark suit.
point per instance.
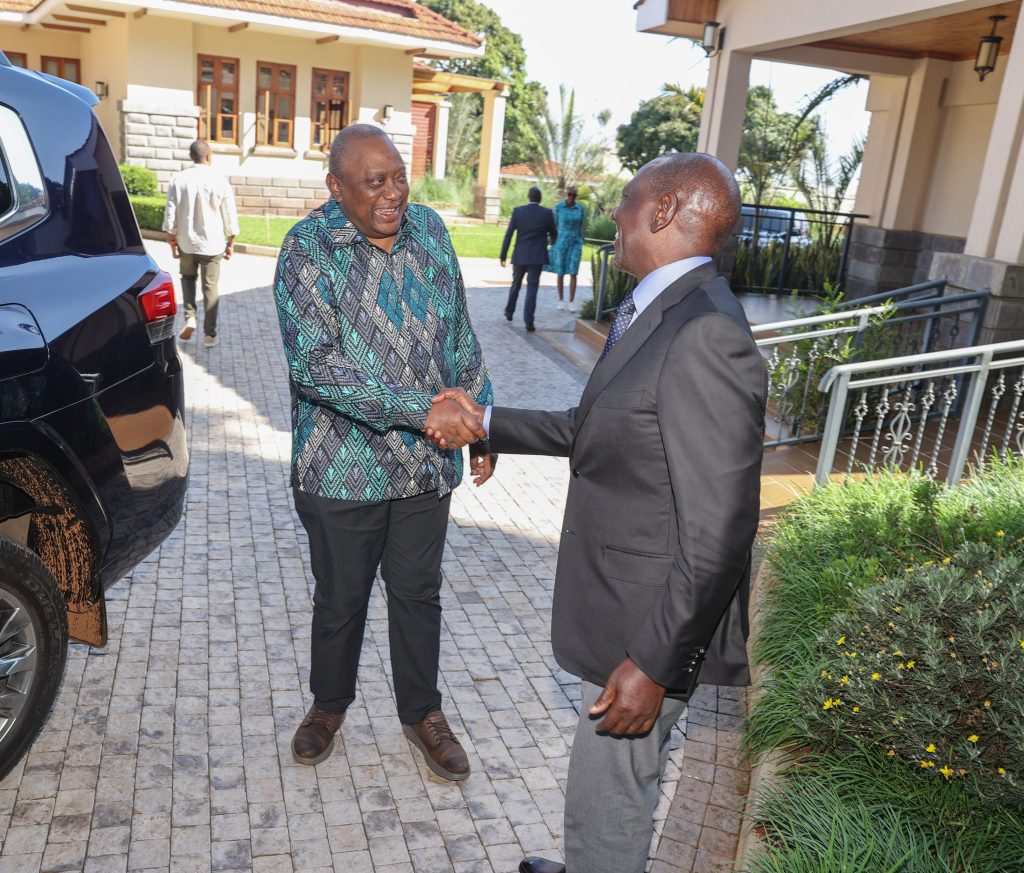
(654, 562)
(535, 229)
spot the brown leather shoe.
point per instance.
(441, 751)
(314, 740)
(540, 865)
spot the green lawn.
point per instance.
(472, 241)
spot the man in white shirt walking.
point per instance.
(201, 225)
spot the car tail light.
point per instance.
(159, 307)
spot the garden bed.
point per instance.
(891, 648)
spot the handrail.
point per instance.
(839, 380)
(895, 294)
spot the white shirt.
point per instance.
(645, 293)
(651, 285)
(200, 211)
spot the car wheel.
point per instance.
(33, 649)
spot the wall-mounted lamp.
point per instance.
(714, 38)
(988, 50)
(102, 90)
(386, 112)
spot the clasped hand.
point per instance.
(455, 420)
(630, 701)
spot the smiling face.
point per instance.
(372, 189)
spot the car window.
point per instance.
(6, 200)
(26, 198)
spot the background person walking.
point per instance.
(201, 224)
(534, 227)
(564, 257)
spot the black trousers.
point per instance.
(348, 539)
(532, 273)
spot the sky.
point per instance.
(594, 47)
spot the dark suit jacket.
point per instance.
(535, 230)
(665, 452)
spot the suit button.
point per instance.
(575, 472)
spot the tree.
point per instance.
(562, 142)
(773, 145)
(504, 59)
(824, 183)
(666, 123)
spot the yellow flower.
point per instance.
(831, 703)
(875, 677)
(926, 764)
(1000, 533)
(910, 665)
(891, 753)
(952, 639)
(856, 709)
(1002, 771)
(986, 703)
(946, 771)
(910, 569)
(1022, 644)
(845, 680)
(841, 640)
(973, 738)
(946, 560)
(897, 609)
(896, 652)
(824, 674)
(892, 624)
(930, 747)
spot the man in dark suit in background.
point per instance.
(665, 450)
(535, 229)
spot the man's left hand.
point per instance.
(481, 463)
(630, 701)
(229, 250)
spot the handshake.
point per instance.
(455, 420)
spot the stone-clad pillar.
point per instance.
(487, 195)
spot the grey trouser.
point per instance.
(190, 266)
(612, 792)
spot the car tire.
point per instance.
(33, 649)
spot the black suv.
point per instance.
(93, 460)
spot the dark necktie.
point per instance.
(623, 315)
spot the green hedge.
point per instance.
(893, 633)
(139, 181)
(149, 211)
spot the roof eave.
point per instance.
(359, 35)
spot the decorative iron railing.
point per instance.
(612, 285)
(903, 412)
(799, 352)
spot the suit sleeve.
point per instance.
(532, 431)
(508, 236)
(711, 400)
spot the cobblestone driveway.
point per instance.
(169, 749)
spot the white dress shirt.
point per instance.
(200, 211)
(645, 293)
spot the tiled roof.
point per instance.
(389, 16)
(551, 169)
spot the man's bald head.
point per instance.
(347, 140)
(706, 192)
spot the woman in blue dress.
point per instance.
(565, 254)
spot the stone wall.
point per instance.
(158, 137)
(255, 195)
(1004, 318)
(883, 260)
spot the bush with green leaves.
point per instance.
(139, 181)
(601, 227)
(929, 665)
(149, 211)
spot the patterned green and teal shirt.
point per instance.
(370, 337)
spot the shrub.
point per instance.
(140, 181)
(149, 211)
(929, 666)
(588, 308)
(854, 813)
(601, 227)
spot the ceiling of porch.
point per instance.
(949, 37)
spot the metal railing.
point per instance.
(920, 392)
(798, 352)
(612, 285)
(782, 249)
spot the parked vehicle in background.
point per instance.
(93, 457)
(772, 225)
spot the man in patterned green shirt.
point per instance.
(373, 316)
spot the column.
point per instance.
(439, 157)
(725, 104)
(487, 196)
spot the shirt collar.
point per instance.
(658, 280)
(345, 233)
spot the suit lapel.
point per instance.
(636, 335)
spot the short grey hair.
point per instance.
(343, 141)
